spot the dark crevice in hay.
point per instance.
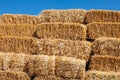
(88, 62)
(35, 53)
(90, 40)
(32, 77)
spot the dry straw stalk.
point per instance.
(105, 63)
(99, 75)
(103, 29)
(102, 16)
(22, 30)
(73, 31)
(59, 47)
(73, 15)
(106, 46)
(18, 19)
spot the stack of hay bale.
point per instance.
(16, 38)
(60, 45)
(104, 27)
(63, 33)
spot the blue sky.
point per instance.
(34, 7)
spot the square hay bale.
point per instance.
(68, 67)
(105, 63)
(99, 75)
(73, 31)
(22, 30)
(103, 29)
(41, 65)
(59, 47)
(11, 75)
(52, 78)
(102, 16)
(13, 62)
(106, 46)
(18, 19)
(17, 44)
(72, 16)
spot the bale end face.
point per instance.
(99, 75)
(70, 67)
(105, 63)
(69, 31)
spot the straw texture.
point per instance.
(73, 31)
(11, 75)
(99, 75)
(60, 47)
(41, 65)
(105, 63)
(17, 44)
(103, 29)
(21, 30)
(106, 46)
(70, 68)
(18, 19)
(73, 15)
(52, 78)
(13, 62)
(102, 16)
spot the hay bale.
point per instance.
(72, 16)
(102, 16)
(106, 46)
(60, 47)
(41, 65)
(103, 29)
(99, 75)
(73, 31)
(105, 63)
(11, 75)
(52, 78)
(13, 62)
(68, 67)
(18, 19)
(17, 44)
(21, 30)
